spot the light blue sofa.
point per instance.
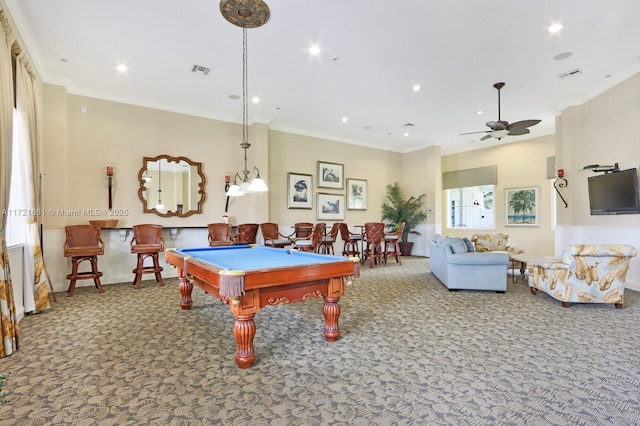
(458, 266)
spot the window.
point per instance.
(471, 207)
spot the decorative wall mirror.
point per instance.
(171, 186)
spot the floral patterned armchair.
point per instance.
(588, 273)
(498, 242)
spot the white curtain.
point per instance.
(9, 336)
(36, 296)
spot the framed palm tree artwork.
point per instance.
(522, 206)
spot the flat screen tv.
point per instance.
(614, 193)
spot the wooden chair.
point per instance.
(147, 242)
(330, 238)
(373, 237)
(83, 242)
(313, 242)
(273, 237)
(351, 241)
(302, 229)
(247, 233)
(391, 246)
(219, 234)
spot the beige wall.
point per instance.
(300, 154)
(520, 164)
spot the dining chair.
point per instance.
(147, 242)
(83, 242)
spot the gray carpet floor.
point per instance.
(410, 353)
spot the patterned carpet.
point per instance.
(410, 353)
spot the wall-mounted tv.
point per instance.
(614, 193)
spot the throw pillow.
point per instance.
(457, 244)
(469, 244)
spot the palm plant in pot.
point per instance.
(396, 209)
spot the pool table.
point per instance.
(249, 277)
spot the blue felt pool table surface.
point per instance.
(249, 258)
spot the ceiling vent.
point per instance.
(407, 125)
(570, 73)
(199, 69)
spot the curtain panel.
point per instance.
(10, 341)
(36, 296)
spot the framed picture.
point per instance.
(299, 191)
(330, 206)
(356, 194)
(522, 205)
(330, 175)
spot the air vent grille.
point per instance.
(199, 69)
(570, 73)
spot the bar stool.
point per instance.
(82, 243)
(147, 242)
(247, 233)
(330, 238)
(219, 234)
(351, 241)
(373, 237)
(391, 246)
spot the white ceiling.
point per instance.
(372, 53)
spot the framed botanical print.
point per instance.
(330, 206)
(299, 191)
(522, 205)
(330, 175)
(356, 194)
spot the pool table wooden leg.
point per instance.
(185, 288)
(244, 331)
(331, 311)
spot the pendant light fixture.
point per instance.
(245, 14)
(160, 206)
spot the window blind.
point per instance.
(470, 177)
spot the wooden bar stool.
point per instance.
(391, 243)
(373, 237)
(247, 233)
(82, 243)
(147, 242)
(219, 234)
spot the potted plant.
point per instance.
(397, 209)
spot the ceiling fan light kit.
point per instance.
(501, 128)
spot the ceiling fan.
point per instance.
(500, 128)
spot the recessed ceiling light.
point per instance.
(314, 50)
(416, 88)
(555, 27)
(255, 100)
(345, 119)
(406, 134)
(479, 112)
(562, 56)
(122, 68)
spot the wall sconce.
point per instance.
(560, 182)
(110, 179)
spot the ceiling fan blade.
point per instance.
(524, 123)
(473, 133)
(484, 138)
(518, 131)
(497, 125)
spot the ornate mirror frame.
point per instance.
(143, 173)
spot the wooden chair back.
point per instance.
(147, 238)
(219, 234)
(83, 240)
(247, 233)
